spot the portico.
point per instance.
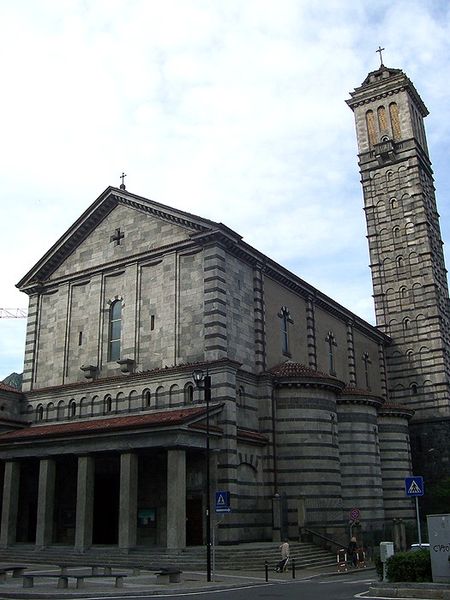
(132, 495)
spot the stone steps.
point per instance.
(240, 558)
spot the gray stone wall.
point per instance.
(359, 453)
(326, 323)
(275, 297)
(240, 312)
(364, 345)
(308, 456)
(142, 233)
(395, 453)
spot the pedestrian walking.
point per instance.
(351, 551)
(282, 565)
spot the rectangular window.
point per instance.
(115, 330)
(114, 350)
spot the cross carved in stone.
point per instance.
(118, 235)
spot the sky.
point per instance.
(233, 110)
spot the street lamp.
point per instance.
(203, 382)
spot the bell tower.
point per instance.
(407, 262)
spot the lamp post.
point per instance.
(203, 381)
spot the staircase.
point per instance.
(243, 557)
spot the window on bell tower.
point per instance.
(371, 130)
(395, 121)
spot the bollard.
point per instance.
(293, 568)
(266, 566)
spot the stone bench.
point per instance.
(168, 575)
(63, 579)
(16, 571)
(95, 569)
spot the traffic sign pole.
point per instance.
(414, 488)
(419, 532)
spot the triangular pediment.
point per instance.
(117, 225)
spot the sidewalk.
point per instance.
(145, 583)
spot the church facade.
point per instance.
(310, 407)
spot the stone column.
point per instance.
(259, 311)
(85, 503)
(311, 333)
(351, 354)
(128, 500)
(10, 503)
(46, 502)
(176, 499)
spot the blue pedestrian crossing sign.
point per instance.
(414, 486)
(223, 502)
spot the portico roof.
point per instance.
(168, 418)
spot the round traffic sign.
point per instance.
(355, 514)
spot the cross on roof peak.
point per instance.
(380, 50)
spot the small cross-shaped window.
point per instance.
(331, 342)
(118, 235)
(285, 320)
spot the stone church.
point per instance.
(310, 409)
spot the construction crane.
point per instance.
(13, 313)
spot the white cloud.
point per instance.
(234, 111)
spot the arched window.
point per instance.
(382, 121)
(146, 398)
(159, 392)
(115, 330)
(189, 393)
(240, 397)
(395, 121)
(49, 411)
(107, 404)
(173, 392)
(39, 412)
(60, 410)
(371, 131)
(72, 409)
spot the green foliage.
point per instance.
(378, 566)
(409, 566)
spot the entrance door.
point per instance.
(194, 522)
(106, 509)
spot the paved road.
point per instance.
(346, 587)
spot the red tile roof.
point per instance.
(8, 388)
(294, 369)
(131, 377)
(354, 391)
(252, 436)
(304, 375)
(392, 409)
(92, 426)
